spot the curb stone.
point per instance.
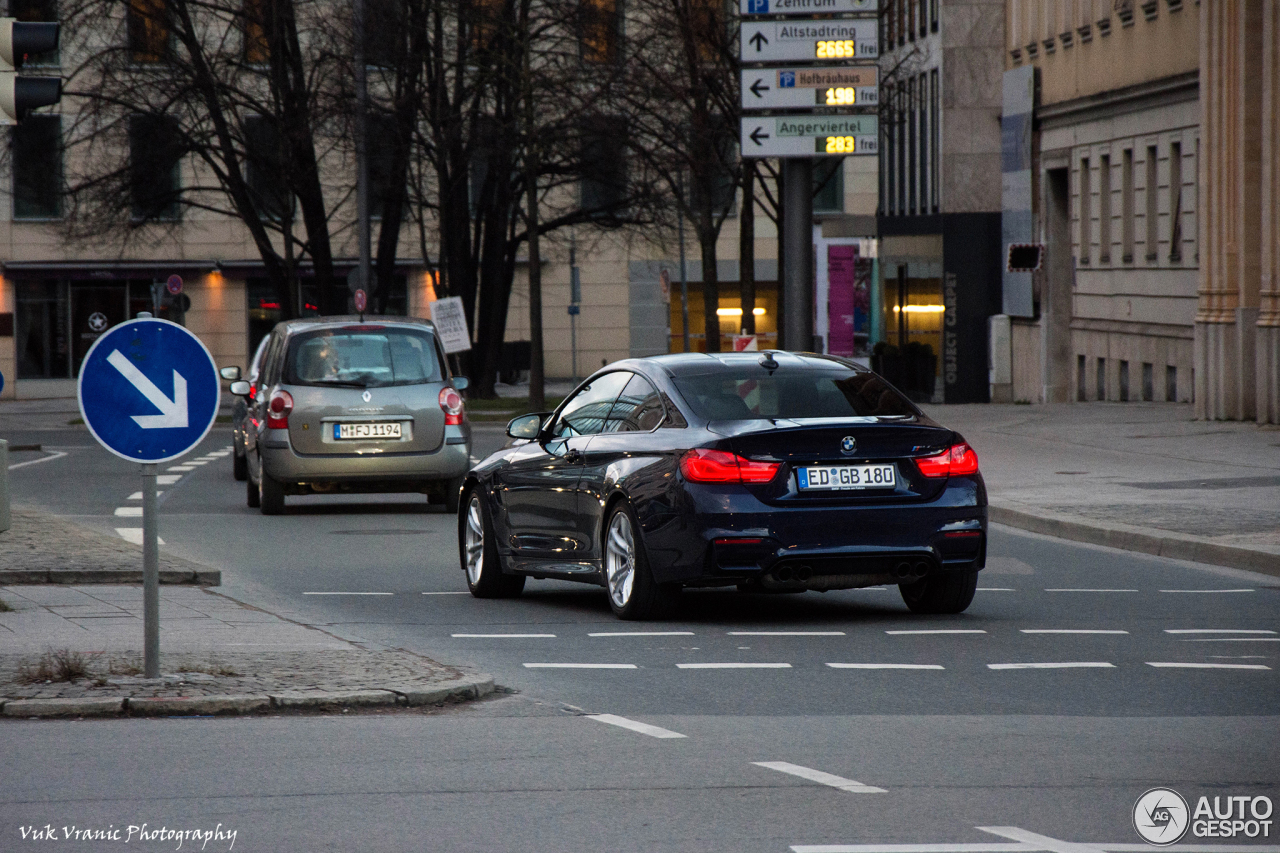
(460, 689)
(1129, 538)
(329, 698)
(27, 577)
(63, 707)
(190, 705)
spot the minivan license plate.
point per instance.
(831, 477)
(345, 432)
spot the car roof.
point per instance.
(307, 324)
(698, 363)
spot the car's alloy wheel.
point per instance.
(620, 560)
(239, 461)
(270, 493)
(479, 553)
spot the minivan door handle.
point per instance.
(574, 456)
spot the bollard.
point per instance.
(4, 485)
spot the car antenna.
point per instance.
(767, 361)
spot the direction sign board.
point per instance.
(809, 136)
(148, 390)
(800, 87)
(810, 41)
(805, 7)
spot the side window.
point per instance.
(271, 361)
(638, 409)
(586, 412)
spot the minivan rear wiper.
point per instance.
(345, 383)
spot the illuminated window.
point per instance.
(256, 48)
(148, 31)
(599, 30)
(484, 16)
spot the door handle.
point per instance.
(573, 457)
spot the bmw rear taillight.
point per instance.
(278, 409)
(451, 405)
(701, 465)
(957, 460)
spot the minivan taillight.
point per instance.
(702, 465)
(278, 409)
(451, 405)
(957, 460)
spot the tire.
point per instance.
(270, 493)
(478, 552)
(239, 465)
(632, 591)
(452, 495)
(943, 592)
(251, 491)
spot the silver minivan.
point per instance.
(344, 404)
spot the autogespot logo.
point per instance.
(1160, 816)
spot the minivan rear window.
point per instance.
(364, 357)
(750, 394)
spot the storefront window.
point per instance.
(730, 312)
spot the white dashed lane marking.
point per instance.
(633, 725)
(828, 779)
(183, 468)
(1206, 590)
(995, 589)
(1067, 631)
(464, 592)
(641, 634)
(1091, 590)
(1054, 665)
(733, 666)
(940, 631)
(786, 633)
(132, 511)
(580, 666)
(501, 636)
(1179, 665)
(348, 593)
(885, 666)
(1217, 631)
(167, 479)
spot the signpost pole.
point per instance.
(150, 573)
(798, 250)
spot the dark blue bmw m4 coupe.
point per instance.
(767, 471)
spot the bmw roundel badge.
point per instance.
(848, 444)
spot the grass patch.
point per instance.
(62, 665)
(76, 422)
(4, 607)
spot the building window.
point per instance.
(380, 149)
(1148, 382)
(265, 167)
(1175, 202)
(155, 154)
(1102, 379)
(924, 106)
(1153, 210)
(599, 30)
(1084, 209)
(912, 124)
(903, 106)
(911, 19)
(1104, 209)
(1124, 381)
(253, 26)
(828, 185)
(148, 31)
(37, 168)
(1081, 391)
(1126, 205)
(384, 33)
(935, 114)
(603, 184)
(1170, 383)
(933, 16)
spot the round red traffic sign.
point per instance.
(361, 300)
(174, 284)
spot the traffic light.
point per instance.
(20, 95)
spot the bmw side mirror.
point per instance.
(230, 373)
(461, 383)
(525, 426)
(240, 388)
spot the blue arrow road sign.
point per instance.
(149, 390)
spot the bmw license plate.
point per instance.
(348, 432)
(832, 477)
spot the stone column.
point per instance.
(1230, 211)
(1268, 342)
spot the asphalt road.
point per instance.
(1042, 708)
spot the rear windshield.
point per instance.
(365, 357)
(750, 394)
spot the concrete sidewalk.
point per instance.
(1139, 476)
(76, 651)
